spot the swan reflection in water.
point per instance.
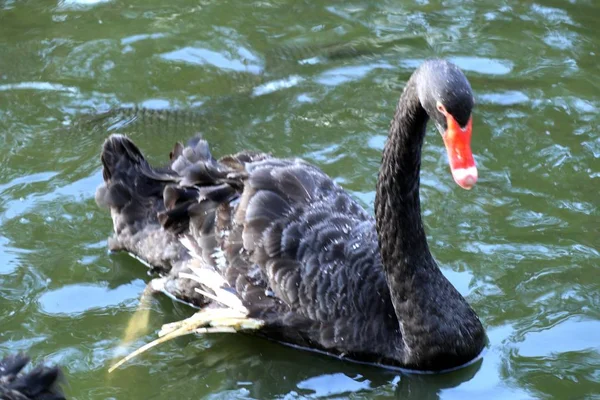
(262, 369)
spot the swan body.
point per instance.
(284, 252)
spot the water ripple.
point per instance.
(39, 86)
(522, 246)
(200, 56)
(77, 299)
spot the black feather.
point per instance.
(298, 250)
(41, 383)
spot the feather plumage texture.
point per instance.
(292, 244)
(295, 249)
(41, 383)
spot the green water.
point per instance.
(523, 246)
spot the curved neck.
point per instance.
(438, 328)
(402, 240)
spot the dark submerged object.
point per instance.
(296, 250)
(41, 383)
(277, 59)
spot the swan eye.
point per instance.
(441, 108)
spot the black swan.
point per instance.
(276, 248)
(41, 383)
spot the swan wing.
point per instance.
(279, 235)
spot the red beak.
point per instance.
(460, 157)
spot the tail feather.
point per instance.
(41, 383)
(210, 217)
(133, 191)
(175, 195)
(117, 151)
(152, 207)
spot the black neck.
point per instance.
(438, 329)
(402, 239)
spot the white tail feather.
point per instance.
(185, 241)
(210, 279)
(208, 320)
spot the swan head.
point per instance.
(447, 97)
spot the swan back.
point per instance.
(297, 250)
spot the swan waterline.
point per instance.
(275, 248)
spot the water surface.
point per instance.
(523, 246)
